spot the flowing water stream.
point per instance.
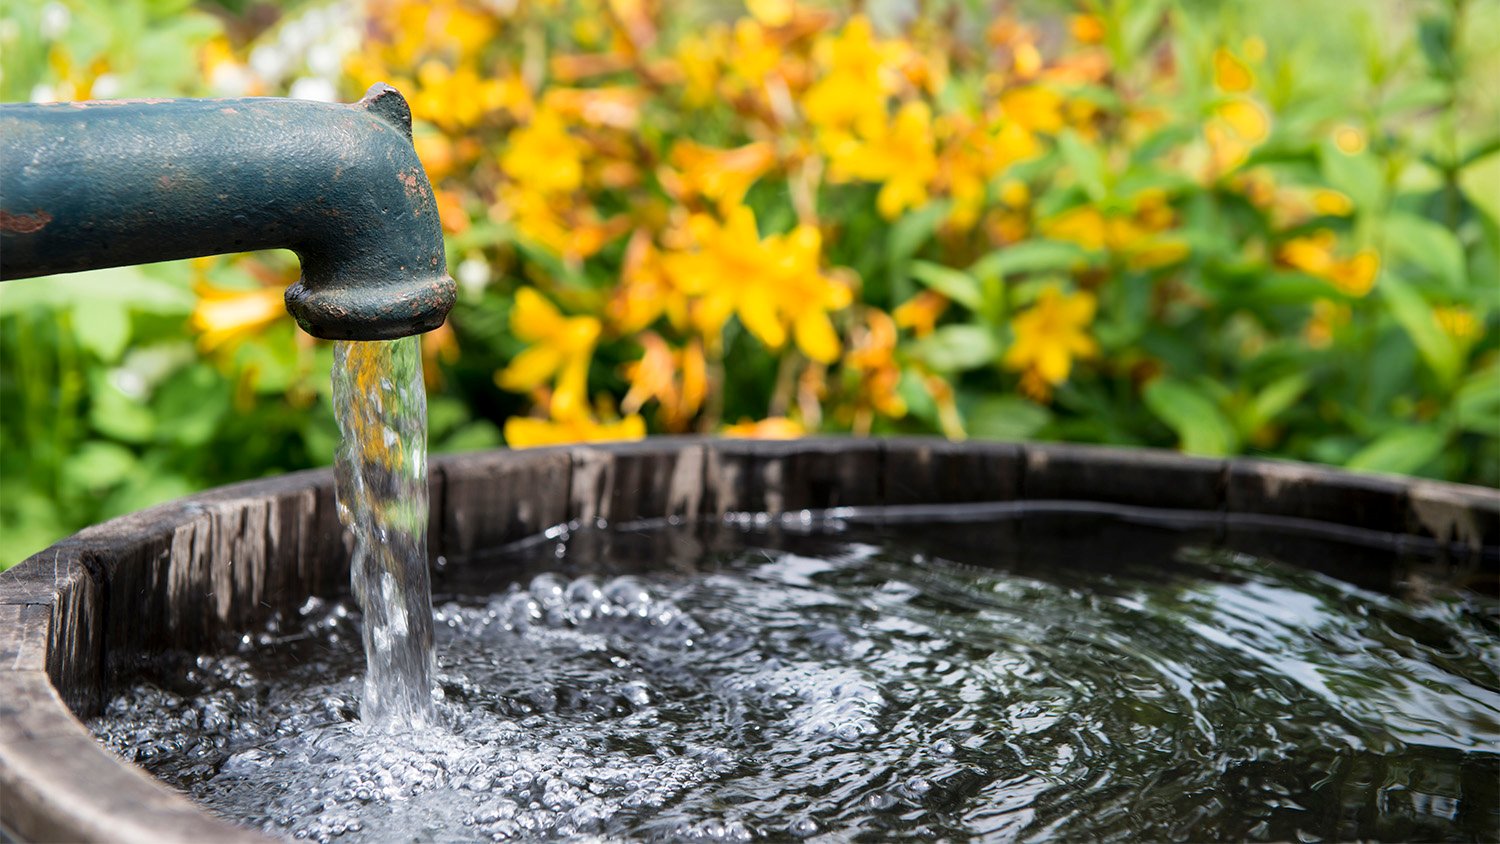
(382, 498)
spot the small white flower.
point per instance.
(473, 275)
(55, 20)
(313, 88)
(106, 86)
(268, 62)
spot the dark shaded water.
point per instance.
(924, 681)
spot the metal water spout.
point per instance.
(111, 183)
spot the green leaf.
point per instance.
(1358, 175)
(130, 287)
(1138, 23)
(98, 465)
(117, 415)
(103, 328)
(1400, 450)
(1199, 424)
(1476, 404)
(1029, 256)
(1429, 246)
(476, 435)
(1006, 418)
(955, 284)
(908, 236)
(195, 402)
(1415, 316)
(1087, 164)
(1480, 150)
(953, 348)
(1275, 398)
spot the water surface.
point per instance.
(928, 681)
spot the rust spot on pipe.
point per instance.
(24, 223)
(414, 183)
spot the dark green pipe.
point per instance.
(106, 184)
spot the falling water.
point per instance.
(382, 499)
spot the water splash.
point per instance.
(861, 688)
(382, 499)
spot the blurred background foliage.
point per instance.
(1231, 227)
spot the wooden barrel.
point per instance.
(191, 573)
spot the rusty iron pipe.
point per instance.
(112, 183)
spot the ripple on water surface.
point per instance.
(854, 686)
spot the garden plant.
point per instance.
(1266, 228)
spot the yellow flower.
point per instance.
(1459, 322)
(559, 346)
(1140, 237)
(1230, 74)
(774, 428)
(644, 291)
(1034, 108)
(543, 156)
(872, 358)
(901, 155)
(223, 316)
(1349, 139)
(528, 432)
(1314, 255)
(920, 313)
(1086, 29)
(949, 419)
(1332, 203)
(753, 55)
(1327, 317)
(567, 227)
(457, 99)
(861, 72)
(774, 285)
(1050, 335)
(699, 59)
(1236, 126)
(719, 175)
(974, 155)
(771, 13)
(676, 378)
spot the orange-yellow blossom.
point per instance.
(676, 378)
(859, 73)
(543, 156)
(223, 316)
(530, 432)
(457, 99)
(1141, 238)
(1314, 255)
(1050, 335)
(644, 292)
(972, 156)
(559, 348)
(872, 357)
(772, 428)
(920, 313)
(774, 285)
(900, 154)
(721, 176)
(1230, 74)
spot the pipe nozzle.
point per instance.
(106, 184)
